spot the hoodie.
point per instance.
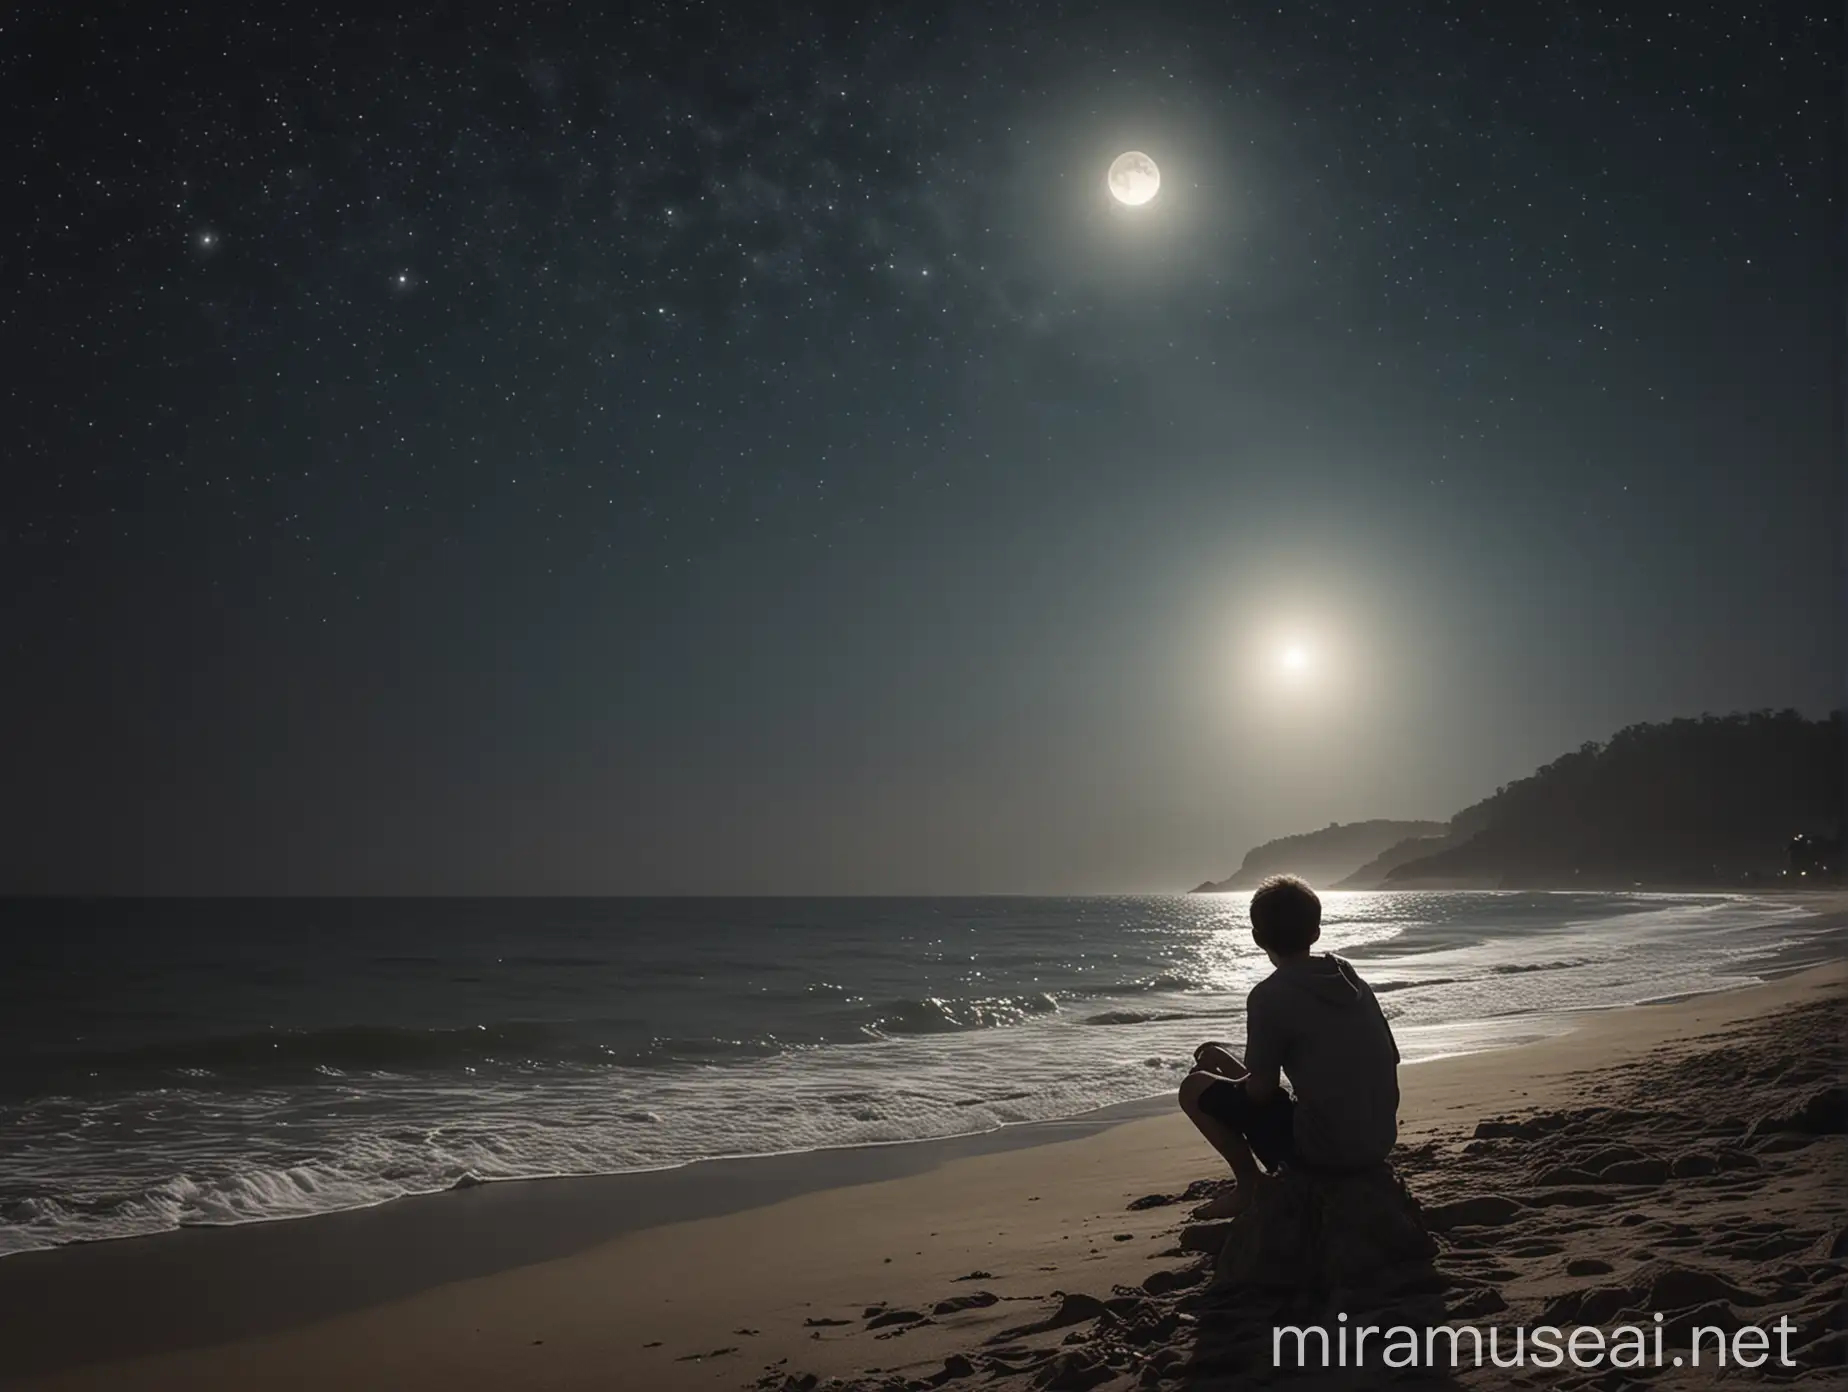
(1320, 1024)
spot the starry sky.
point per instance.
(689, 448)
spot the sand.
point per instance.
(1687, 1154)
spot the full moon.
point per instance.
(1133, 178)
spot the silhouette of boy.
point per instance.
(1314, 1019)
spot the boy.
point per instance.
(1316, 1020)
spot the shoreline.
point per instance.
(1488, 1035)
(186, 1289)
(191, 1297)
(167, 1283)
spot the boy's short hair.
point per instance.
(1286, 917)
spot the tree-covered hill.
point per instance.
(1709, 800)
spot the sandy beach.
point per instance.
(1679, 1157)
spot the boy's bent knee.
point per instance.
(1191, 1087)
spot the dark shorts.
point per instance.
(1267, 1129)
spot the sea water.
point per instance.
(168, 1063)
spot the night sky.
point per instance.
(725, 449)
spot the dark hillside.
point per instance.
(1712, 800)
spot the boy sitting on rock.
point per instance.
(1314, 1019)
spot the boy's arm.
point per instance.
(1263, 1050)
(1218, 1060)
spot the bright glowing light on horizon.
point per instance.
(1295, 659)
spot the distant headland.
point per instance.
(1332, 854)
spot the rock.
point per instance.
(955, 1366)
(1075, 1309)
(887, 1318)
(1161, 1282)
(1693, 1165)
(1327, 1232)
(1153, 1201)
(965, 1302)
(1651, 1170)
(1587, 1266)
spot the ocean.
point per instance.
(173, 1063)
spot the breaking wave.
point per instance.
(934, 1015)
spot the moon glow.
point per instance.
(1133, 179)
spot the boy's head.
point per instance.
(1286, 917)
